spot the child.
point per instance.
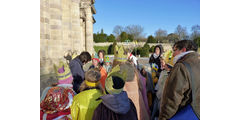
(85, 102)
(107, 64)
(101, 54)
(115, 104)
(102, 70)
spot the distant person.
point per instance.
(115, 104)
(101, 54)
(76, 66)
(132, 58)
(182, 88)
(84, 103)
(155, 58)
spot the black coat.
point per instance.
(76, 68)
(156, 61)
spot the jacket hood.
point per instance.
(118, 103)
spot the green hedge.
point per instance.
(97, 48)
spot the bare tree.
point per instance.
(117, 30)
(160, 35)
(181, 32)
(135, 30)
(195, 32)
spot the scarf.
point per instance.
(179, 56)
(155, 55)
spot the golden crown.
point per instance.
(120, 54)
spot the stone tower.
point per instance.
(64, 25)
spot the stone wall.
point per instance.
(64, 25)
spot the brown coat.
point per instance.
(178, 91)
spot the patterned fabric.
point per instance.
(57, 99)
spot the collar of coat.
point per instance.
(179, 56)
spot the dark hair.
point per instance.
(118, 82)
(160, 47)
(188, 44)
(102, 51)
(84, 57)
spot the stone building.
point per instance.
(65, 25)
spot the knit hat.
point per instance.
(106, 59)
(95, 57)
(115, 80)
(119, 54)
(64, 74)
(168, 58)
(57, 99)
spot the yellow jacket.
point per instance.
(84, 104)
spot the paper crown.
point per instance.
(168, 57)
(74, 54)
(95, 57)
(107, 59)
(119, 54)
(63, 72)
(109, 82)
(155, 67)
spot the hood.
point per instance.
(118, 103)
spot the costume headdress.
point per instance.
(119, 54)
(106, 58)
(110, 83)
(168, 57)
(63, 72)
(95, 57)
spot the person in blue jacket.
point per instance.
(76, 67)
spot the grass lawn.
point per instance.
(97, 48)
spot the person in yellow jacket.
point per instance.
(85, 102)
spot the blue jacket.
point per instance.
(76, 67)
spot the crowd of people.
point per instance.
(123, 89)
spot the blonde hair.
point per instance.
(92, 75)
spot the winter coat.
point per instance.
(115, 107)
(178, 90)
(156, 61)
(135, 94)
(84, 104)
(103, 77)
(161, 82)
(144, 91)
(76, 67)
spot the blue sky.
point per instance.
(151, 14)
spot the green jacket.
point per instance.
(178, 90)
(84, 104)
